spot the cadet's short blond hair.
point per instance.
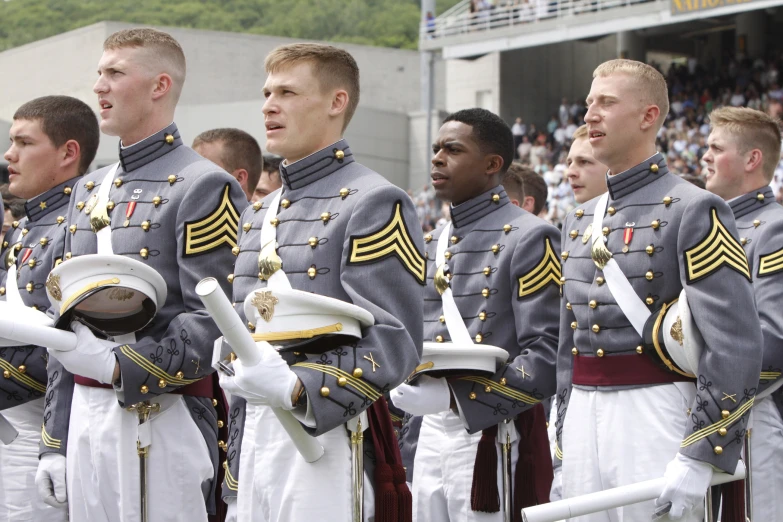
(751, 129)
(652, 84)
(335, 68)
(581, 133)
(165, 53)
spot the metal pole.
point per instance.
(143, 410)
(507, 482)
(430, 104)
(748, 480)
(708, 512)
(427, 84)
(357, 457)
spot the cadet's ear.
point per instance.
(650, 116)
(753, 160)
(494, 164)
(71, 153)
(163, 84)
(240, 175)
(340, 101)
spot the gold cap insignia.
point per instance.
(265, 303)
(53, 286)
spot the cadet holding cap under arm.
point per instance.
(53, 142)
(744, 147)
(134, 410)
(329, 272)
(660, 345)
(491, 299)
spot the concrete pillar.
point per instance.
(750, 34)
(631, 46)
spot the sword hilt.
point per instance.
(143, 410)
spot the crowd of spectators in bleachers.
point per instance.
(694, 91)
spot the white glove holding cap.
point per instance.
(430, 395)
(93, 358)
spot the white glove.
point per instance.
(687, 481)
(270, 382)
(556, 493)
(93, 358)
(430, 395)
(231, 511)
(50, 480)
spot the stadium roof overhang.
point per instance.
(472, 42)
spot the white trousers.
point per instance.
(102, 467)
(443, 472)
(285, 488)
(766, 445)
(247, 464)
(614, 438)
(19, 500)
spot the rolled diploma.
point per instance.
(234, 332)
(38, 335)
(612, 498)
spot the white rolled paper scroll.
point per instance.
(612, 498)
(36, 334)
(236, 335)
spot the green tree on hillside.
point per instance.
(390, 23)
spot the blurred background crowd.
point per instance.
(695, 90)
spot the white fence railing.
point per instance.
(460, 20)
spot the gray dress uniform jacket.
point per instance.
(760, 225)
(683, 237)
(345, 232)
(506, 284)
(179, 213)
(36, 245)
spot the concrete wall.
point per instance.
(62, 64)
(419, 150)
(221, 67)
(465, 79)
(223, 88)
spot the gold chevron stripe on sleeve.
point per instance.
(545, 272)
(231, 482)
(771, 263)
(558, 451)
(359, 385)
(20, 377)
(139, 359)
(769, 376)
(393, 239)
(49, 441)
(501, 389)
(214, 230)
(723, 423)
(718, 248)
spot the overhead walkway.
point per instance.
(516, 24)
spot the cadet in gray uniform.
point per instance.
(744, 148)
(179, 213)
(344, 232)
(53, 142)
(505, 279)
(624, 409)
